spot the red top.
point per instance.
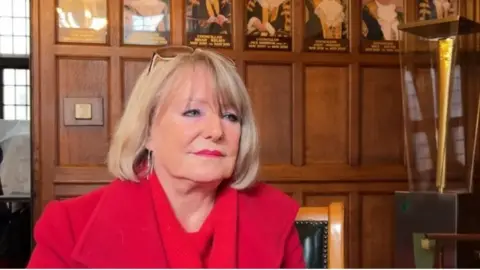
(121, 225)
(199, 243)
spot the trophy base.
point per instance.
(419, 213)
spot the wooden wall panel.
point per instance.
(265, 82)
(381, 121)
(377, 226)
(326, 114)
(81, 146)
(131, 70)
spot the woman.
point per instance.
(185, 156)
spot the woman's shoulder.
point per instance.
(76, 210)
(265, 198)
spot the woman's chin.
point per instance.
(206, 179)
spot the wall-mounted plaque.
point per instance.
(209, 23)
(82, 21)
(326, 26)
(379, 26)
(146, 22)
(269, 25)
(436, 9)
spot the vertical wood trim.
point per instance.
(355, 27)
(115, 22)
(353, 252)
(177, 26)
(114, 94)
(35, 63)
(49, 99)
(238, 34)
(298, 117)
(354, 115)
(410, 10)
(241, 70)
(298, 8)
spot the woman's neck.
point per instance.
(191, 202)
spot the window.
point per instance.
(16, 94)
(14, 60)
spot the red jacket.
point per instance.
(116, 227)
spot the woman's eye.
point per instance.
(231, 117)
(193, 112)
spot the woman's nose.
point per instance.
(213, 128)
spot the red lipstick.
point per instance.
(209, 153)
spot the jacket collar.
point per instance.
(122, 231)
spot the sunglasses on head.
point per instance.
(169, 53)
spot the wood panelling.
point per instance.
(82, 78)
(330, 123)
(131, 70)
(381, 116)
(269, 110)
(376, 230)
(326, 105)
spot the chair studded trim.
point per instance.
(314, 238)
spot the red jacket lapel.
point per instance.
(122, 231)
(180, 252)
(224, 247)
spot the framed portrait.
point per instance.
(82, 21)
(269, 25)
(379, 25)
(146, 22)
(326, 26)
(436, 9)
(209, 23)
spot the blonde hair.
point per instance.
(127, 149)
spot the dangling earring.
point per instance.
(149, 163)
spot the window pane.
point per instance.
(28, 95)
(28, 76)
(9, 95)
(9, 112)
(21, 113)
(8, 76)
(21, 77)
(6, 45)
(14, 22)
(27, 27)
(19, 8)
(28, 45)
(6, 9)
(6, 26)
(27, 9)
(20, 45)
(20, 26)
(28, 113)
(21, 95)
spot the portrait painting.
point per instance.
(146, 22)
(209, 23)
(380, 21)
(436, 9)
(326, 25)
(269, 24)
(82, 21)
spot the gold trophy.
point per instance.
(441, 117)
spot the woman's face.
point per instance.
(192, 137)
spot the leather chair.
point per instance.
(321, 231)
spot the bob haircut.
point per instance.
(128, 153)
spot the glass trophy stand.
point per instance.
(441, 125)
